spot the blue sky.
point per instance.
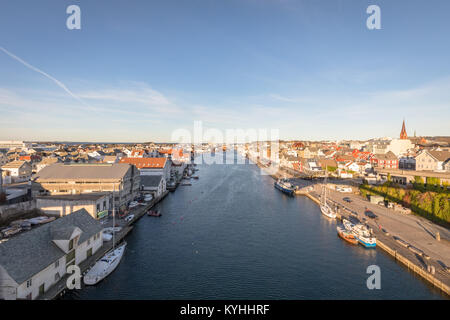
(138, 70)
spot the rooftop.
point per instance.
(32, 251)
(92, 171)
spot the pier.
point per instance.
(427, 264)
(59, 289)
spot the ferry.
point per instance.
(364, 237)
(285, 186)
(346, 235)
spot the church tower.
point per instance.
(403, 134)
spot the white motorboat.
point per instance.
(112, 229)
(364, 236)
(104, 266)
(106, 236)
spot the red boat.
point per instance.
(152, 213)
(346, 235)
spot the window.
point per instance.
(57, 276)
(98, 207)
(29, 283)
(57, 264)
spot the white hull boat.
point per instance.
(327, 211)
(104, 266)
(107, 236)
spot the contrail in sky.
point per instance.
(59, 83)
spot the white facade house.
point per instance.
(156, 185)
(34, 261)
(19, 171)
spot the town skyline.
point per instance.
(136, 73)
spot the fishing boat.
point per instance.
(348, 225)
(346, 235)
(284, 186)
(364, 236)
(107, 264)
(324, 206)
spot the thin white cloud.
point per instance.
(59, 83)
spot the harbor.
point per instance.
(239, 237)
(432, 267)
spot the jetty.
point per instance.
(424, 263)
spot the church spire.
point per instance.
(403, 134)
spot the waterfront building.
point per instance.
(154, 184)
(150, 166)
(59, 178)
(34, 261)
(96, 204)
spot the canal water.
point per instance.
(232, 235)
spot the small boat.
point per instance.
(106, 236)
(346, 235)
(104, 266)
(195, 177)
(324, 206)
(8, 232)
(364, 237)
(327, 211)
(348, 225)
(112, 229)
(41, 220)
(152, 213)
(284, 186)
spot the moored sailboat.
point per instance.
(108, 263)
(324, 206)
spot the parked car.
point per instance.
(347, 199)
(370, 214)
(129, 217)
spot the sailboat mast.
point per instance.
(114, 215)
